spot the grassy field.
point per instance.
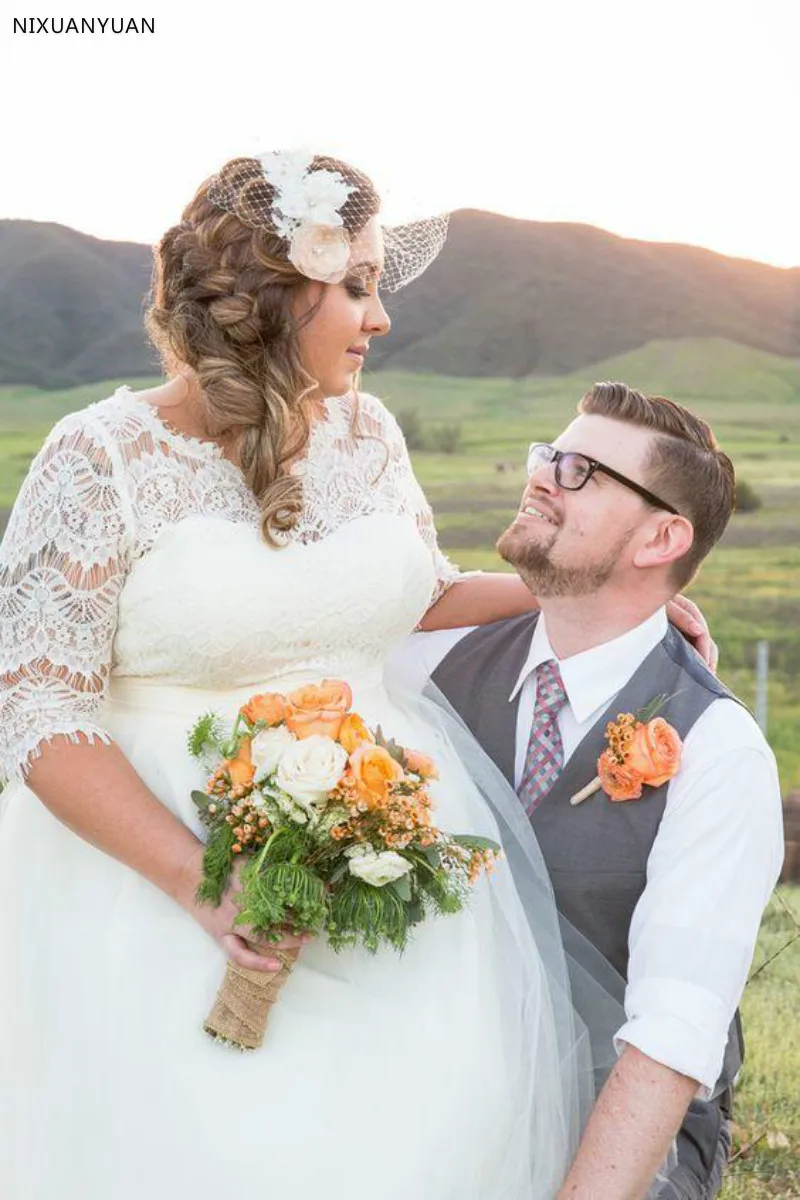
(749, 589)
(767, 1105)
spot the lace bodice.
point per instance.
(133, 550)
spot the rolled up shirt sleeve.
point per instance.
(712, 868)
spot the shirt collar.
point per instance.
(592, 677)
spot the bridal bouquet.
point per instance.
(332, 823)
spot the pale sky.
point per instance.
(667, 121)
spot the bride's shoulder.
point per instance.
(368, 402)
(112, 421)
(374, 410)
(124, 414)
(102, 438)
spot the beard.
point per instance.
(533, 562)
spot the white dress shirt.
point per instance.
(714, 862)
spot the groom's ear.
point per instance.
(666, 538)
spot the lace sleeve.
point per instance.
(386, 427)
(62, 564)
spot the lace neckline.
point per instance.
(209, 450)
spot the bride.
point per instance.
(233, 531)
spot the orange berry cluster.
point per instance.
(220, 785)
(251, 825)
(479, 861)
(620, 735)
(402, 817)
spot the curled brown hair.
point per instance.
(222, 306)
(685, 465)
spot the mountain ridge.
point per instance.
(507, 297)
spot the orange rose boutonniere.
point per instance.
(642, 752)
(655, 752)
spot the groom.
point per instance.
(616, 517)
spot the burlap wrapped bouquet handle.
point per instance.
(243, 1002)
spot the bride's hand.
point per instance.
(688, 619)
(238, 942)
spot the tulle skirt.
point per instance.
(455, 1070)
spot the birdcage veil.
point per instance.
(319, 210)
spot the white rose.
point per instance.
(380, 869)
(310, 768)
(320, 252)
(267, 750)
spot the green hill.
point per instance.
(698, 372)
(72, 305)
(695, 371)
(505, 298)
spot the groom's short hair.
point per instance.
(685, 466)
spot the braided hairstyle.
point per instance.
(222, 305)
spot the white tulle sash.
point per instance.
(153, 695)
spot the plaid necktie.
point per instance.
(544, 757)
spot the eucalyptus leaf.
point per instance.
(202, 800)
(393, 748)
(471, 841)
(402, 888)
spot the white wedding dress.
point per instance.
(137, 594)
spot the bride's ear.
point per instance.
(667, 539)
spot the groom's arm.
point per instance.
(630, 1131)
(710, 872)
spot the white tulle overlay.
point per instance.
(136, 595)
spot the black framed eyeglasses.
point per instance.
(574, 470)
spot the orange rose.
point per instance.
(655, 752)
(354, 733)
(421, 764)
(374, 771)
(619, 781)
(241, 769)
(318, 708)
(268, 706)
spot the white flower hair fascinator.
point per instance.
(319, 210)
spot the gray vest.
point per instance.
(596, 853)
